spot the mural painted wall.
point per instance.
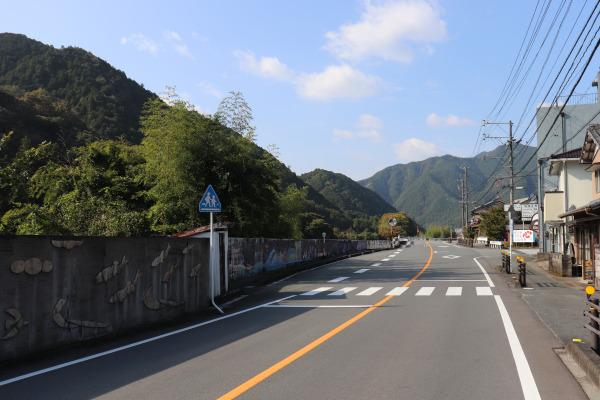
(251, 257)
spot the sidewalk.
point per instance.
(559, 302)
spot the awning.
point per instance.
(591, 206)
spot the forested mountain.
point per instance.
(104, 98)
(58, 108)
(345, 193)
(428, 190)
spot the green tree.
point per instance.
(236, 114)
(404, 225)
(95, 193)
(292, 204)
(186, 152)
(493, 223)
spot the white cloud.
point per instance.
(415, 149)
(210, 89)
(342, 134)
(267, 67)
(368, 121)
(337, 82)
(177, 43)
(141, 43)
(390, 30)
(368, 126)
(170, 38)
(435, 121)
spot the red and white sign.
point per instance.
(523, 236)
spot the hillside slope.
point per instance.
(345, 193)
(428, 190)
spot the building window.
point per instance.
(597, 177)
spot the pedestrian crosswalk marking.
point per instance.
(484, 291)
(454, 291)
(341, 278)
(425, 291)
(342, 292)
(370, 291)
(397, 291)
(316, 291)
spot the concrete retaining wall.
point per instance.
(251, 257)
(55, 292)
(555, 263)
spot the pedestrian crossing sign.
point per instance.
(210, 201)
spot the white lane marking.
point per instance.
(342, 292)
(375, 265)
(450, 280)
(451, 257)
(454, 291)
(530, 390)
(425, 291)
(361, 271)
(484, 291)
(397, 291)
(386, 259)
(392, 255)
(129, 346)
(370, 291)
(315, 306)
(316, 291)
(341, 278)
(487, 277)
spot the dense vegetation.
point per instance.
(84, 150)
(103, 97)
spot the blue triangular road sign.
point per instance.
(210, 201)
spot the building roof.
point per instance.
(593, 205)
(217, 226)
(556, 160)
(592, 140)
(487, 206)
(575, 153)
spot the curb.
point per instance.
(587, 359)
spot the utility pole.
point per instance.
(461, 190)
(466, 196)
(510, 143)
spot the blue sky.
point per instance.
(350, 86)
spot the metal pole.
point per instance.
(596, 326)
(211, 268)
(512, 183)
(541, 194)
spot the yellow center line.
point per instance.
(290, 359)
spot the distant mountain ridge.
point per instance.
(346, 194)
(427, 191)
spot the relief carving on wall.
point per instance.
(71, 323)
(14, 325)
(31, 266)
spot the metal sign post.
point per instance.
(210, 203)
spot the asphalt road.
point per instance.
(430, 321)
